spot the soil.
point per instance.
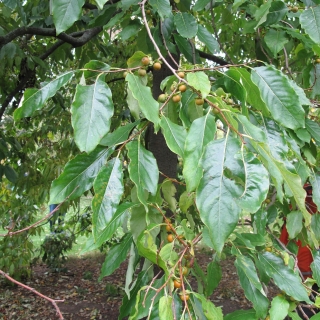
(88, 299)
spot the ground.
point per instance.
(87, 299)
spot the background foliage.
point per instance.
(238, 111)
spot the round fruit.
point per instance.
(168, 228)
(148, 11)
(170, 238)
(182, 88)
(199, 102)
(267, 200)
(145, 61)
(318, 60)
(181, 74)
(176, 98)
(177, 284)
(162, 98)
(142, 72)
(157, 66)
(294, 9)
(215, 109)
(268, 249)
(185, 271)
(184, 297)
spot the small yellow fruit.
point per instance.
(199, 102)
(168, 228)
(177, 284)
(317, 60)
(294, 9)
(142, 72)
(182, 88)
(157, 66)
(268, 249)
(184, 297)
(170, 238)
(145, 61)
(176, 98)
(185, 271)
(181, 74)
(162, 98)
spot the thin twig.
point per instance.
(53, 301)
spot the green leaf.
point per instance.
(279, 308)
(148, 105)
(91, 110)
(113, 224)
(315, 266)
(279, 96)
(135, 60)
(283, 276)
(294, 223)
(115, 256)
(275, 40)
(162, 7)
(78, 175)
(233, 84)
(200, 4)
(215, 195)
(148, 249)
(94, 66)
(186, 49)
(207, 38)
(101, 3)
(314, 130)
(253, 94)
(10, 174)
(65, 13)
(210, 311)
(262, 12)
(174, 134)
(241, 315)
(165, 308)
(35, 99)
(200, 81)
(143, 170)
(277, 11)
(214, 275)
(169, 191)
(253, 131)
(128, 303)
(310, 21)
(201, 132)
(186, 24)
(256, 183)
(108, 187)
(118, 136)
(251, 285)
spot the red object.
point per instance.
(304, 255)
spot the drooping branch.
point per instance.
(76, 39)
(53, 301)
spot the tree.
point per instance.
(230, 119)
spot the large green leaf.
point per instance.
(314, 130)
(256, 183)
(214, 275)
(279, 96)
(118, 136)
(207, 38)
(186, 24)
(201, 132)
(143, 170)
(148, 105)
(210, 311)
(78, 175)
(215, 195)
(115, 256)
(251, 285)
(262, 12)
(65, 13)
(35, 99)
(174, 134)
(315, 266)
(165, 308)
(276, 12)
(91, 110)
(315, 182)
(310, 21)
(253, 94)
(279, 308)
(241, 315)
(294, 223)
(113, 224)
(283, 276)
(275, 40)
(101, 3)
(162, 7)
(108, 188)
(200, 81)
